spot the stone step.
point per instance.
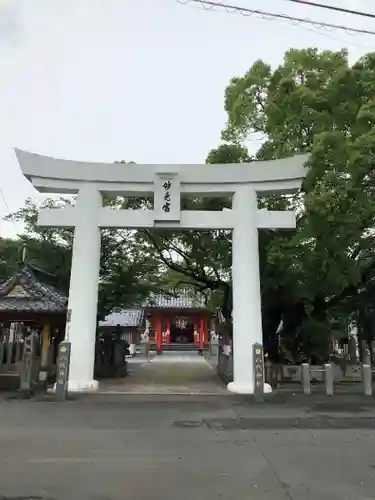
(180, 347)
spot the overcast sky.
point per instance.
(140, 80)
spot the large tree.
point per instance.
(10, 256)
(316, 102)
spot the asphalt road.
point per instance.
(175, 448)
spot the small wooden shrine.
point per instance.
(29, 303)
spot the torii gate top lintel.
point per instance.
(65, 176)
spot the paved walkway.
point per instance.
(169, 373)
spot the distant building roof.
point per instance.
(185, 299)
(23, 292)
(125, 318)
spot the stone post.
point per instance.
(26, 372)
(258, 372)
(306, 382)
(328, 379)
(63, 363)
(366, 355)
(367, 379)
(214, 343)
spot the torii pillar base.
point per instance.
(246, 389)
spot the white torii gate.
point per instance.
(166, 183)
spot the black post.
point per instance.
(258, 372)
(62, 378)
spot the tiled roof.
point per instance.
(183, 300)
(23, 292)
(134, 317)
(125, 317)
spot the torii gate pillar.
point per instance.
(247, 314)
(83, 290)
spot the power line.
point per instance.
(336, 39)
(210, 5)
(333, 7)
(4, 199)
(2, 196)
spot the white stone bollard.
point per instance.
(366, 356)
(367, 379)
(132, 346)
(328, 379)
(227, 350)
(214, 344)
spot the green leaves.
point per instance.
(316, 102)
(245, 101)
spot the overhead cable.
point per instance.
(212, 5)
(333, 7)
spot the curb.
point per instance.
(128, 393)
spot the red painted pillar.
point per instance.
(159, 333)
(195, 331)
(168, 331)
(150, 333)
(201, 334)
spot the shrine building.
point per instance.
(30, 303)
(169, 321)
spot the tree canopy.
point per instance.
(316, 102)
